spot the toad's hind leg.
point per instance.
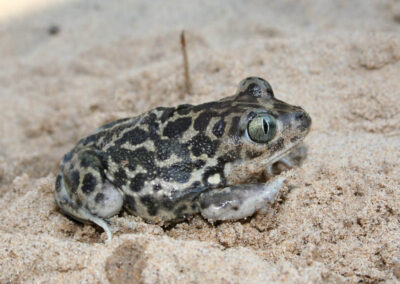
(82, 191)
(239, 201)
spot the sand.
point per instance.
(69, 66)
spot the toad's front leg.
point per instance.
(294, 159)
(239, 201)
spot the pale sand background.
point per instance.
(340, 60)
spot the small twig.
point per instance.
(188, 87)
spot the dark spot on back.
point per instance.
(168, 112)
(120, 178)
(150, 118)
(165, 148)
(89, 183)
(137, 182)
(85, 161)
(140, 156)
(72, 180)
(183, 109)
(202, 144)
(202, 121)
(110, 134)
(179, 172)
(178, 127)
(144, 158)
(75, 178)
(219, 127)
(135, 136)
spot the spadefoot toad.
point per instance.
(172, 162)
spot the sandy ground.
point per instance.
(68, 67)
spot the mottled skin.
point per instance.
(172, 162)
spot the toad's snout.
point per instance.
(303, 120)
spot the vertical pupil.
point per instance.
(265, 126)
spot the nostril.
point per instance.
(303, 119)
(300, 116)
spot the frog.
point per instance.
(217, 159)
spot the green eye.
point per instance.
(262, 128)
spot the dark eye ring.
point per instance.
(262, 128)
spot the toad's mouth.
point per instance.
(280, 155)
(260, 170)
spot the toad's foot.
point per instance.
(239, 201)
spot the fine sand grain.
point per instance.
(67, 67)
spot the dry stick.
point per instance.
(188, 87)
